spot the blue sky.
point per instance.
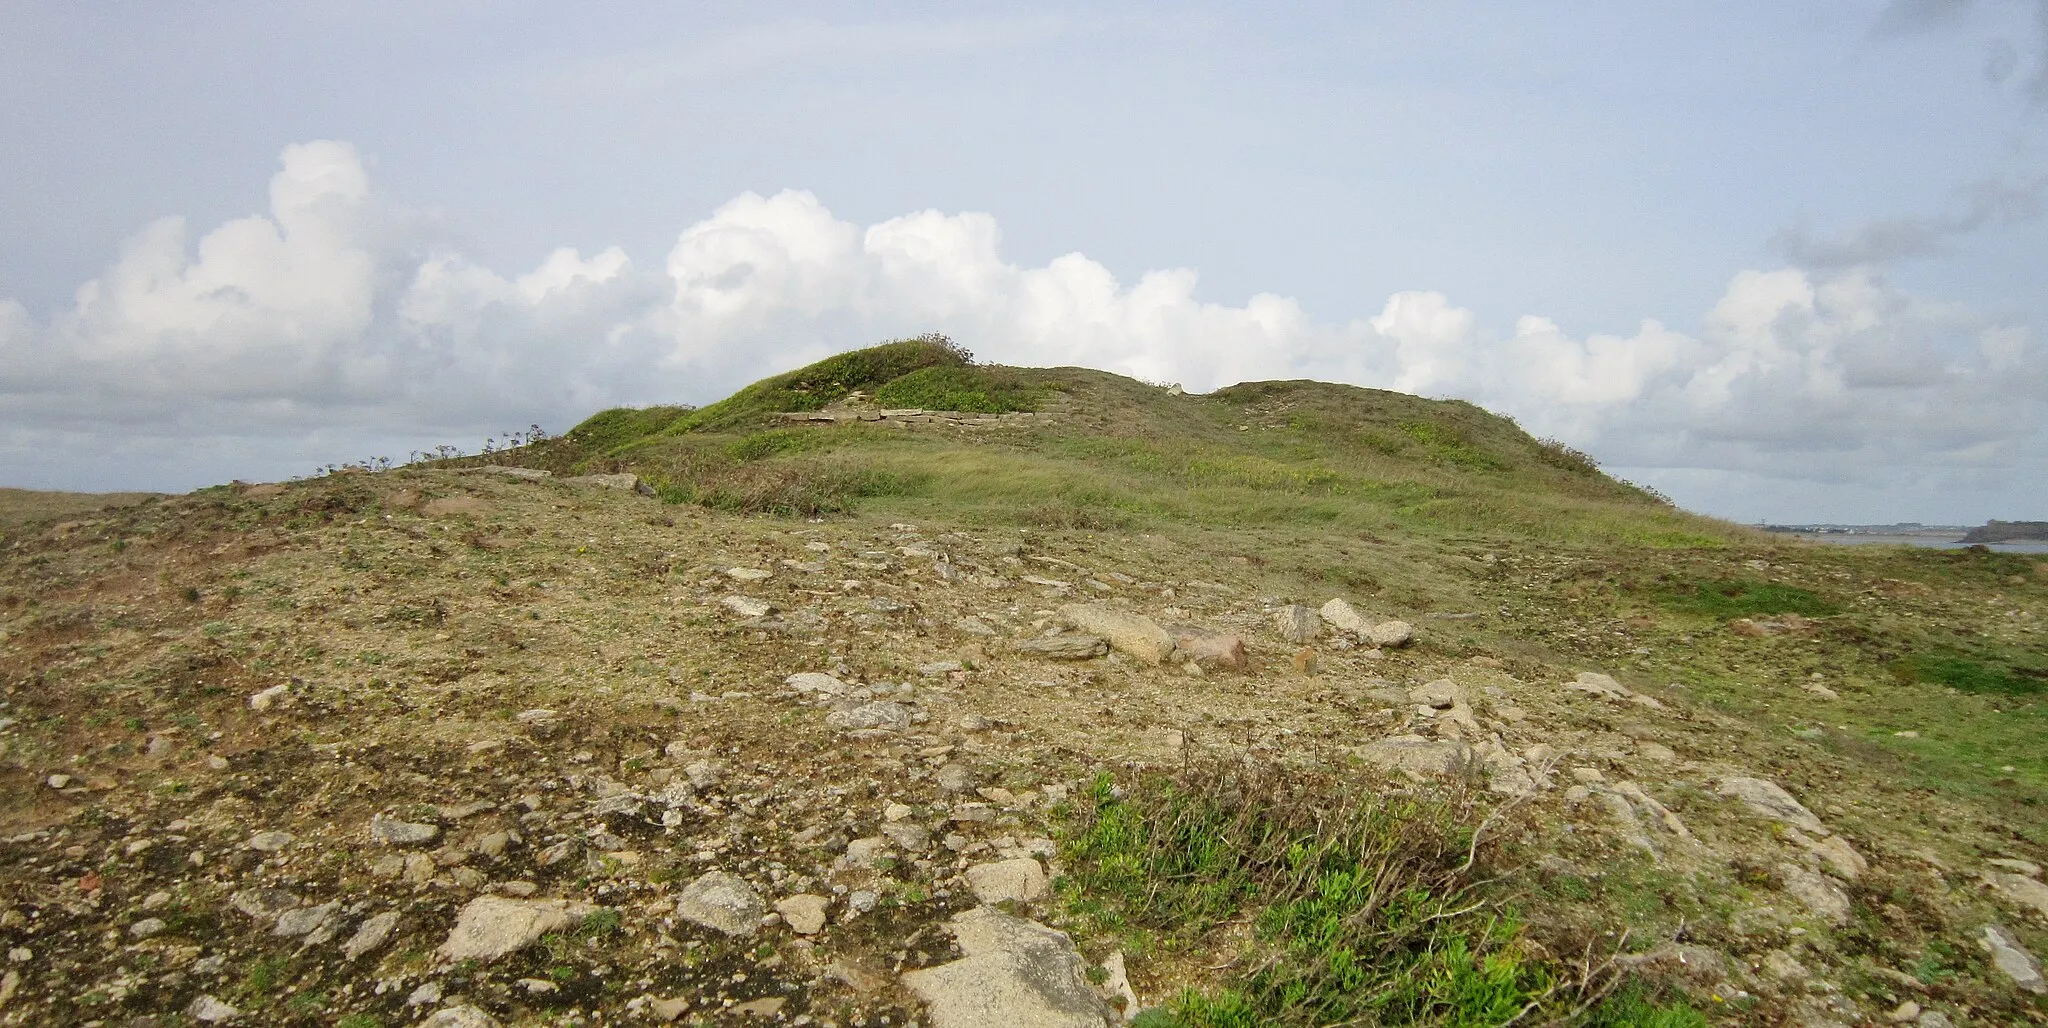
(1782, 261)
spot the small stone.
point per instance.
(668, 1010)
(817, 682)
(955, 778)
(58, 781)
(371, 935)
(748, 574)
(911, 838)
(2012, 959)
(464, 1016)
(1305, 662)
(897, 811)
(1767, 799)
(148, 927)
(860, 901)
(263, 904)
(1345, 618)
(868, 852)
(1014, 972)
(1825, 693)
(269, 842)
(1821, 897)
(216, 762)
(2021, 867)
(747, 606)
(275, 696)
(156, 900)
(1021, 880)
(804, 913)
(490, 927)
(1421, 756)
(1297, 624)
(393, 832)
(1064, 647)
(303, 921)
(425, 996)
(722, 902)
(878, 716)
(1390, 634)
(1135, 634)
(208, 1010)
(1441, 694)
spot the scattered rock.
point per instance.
(304, 921)
(1391, 634)
(623, 482)
(464, 1016)
(1766, 799)
(877, 716)
(490, 927)
(1015, 973)
(2019, 888)
(276, 696)
(818, 682)
(2020, 867)
(208, 1010)
(1413, 753)
(270, 842)
(1341, 616)
(263, 904)
(747, 606)
(748, 574)
(955, 778)
(1305, 662)
(371, 935)
(1021, 880)
(393, 832)
(1820, 690)
(1820, 896)
(1297, 624)
(1209, 649)
(804, 913)
(2012, 959)
(148, 927)
(1139, 636)
(1064, 647)
(722, 902)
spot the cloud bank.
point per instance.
(336, 326)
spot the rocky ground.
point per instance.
(478, 747)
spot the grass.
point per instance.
(1970, 674)
(985, 390)
(816, 385)
(1365, 906)
(1745, 597)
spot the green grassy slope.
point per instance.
(1423, 505)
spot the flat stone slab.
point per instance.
(1016, 973)
(491, 927)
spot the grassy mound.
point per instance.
(814, 386)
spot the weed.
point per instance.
(600, 924)
(1365, 910)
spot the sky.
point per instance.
(1783, 262)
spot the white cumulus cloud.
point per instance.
(333, 326)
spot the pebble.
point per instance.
(270, 842)
(147, 927)
(721, 901)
